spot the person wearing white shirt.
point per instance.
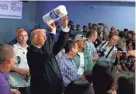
(20, 76)
(107, 50)
(83, 58)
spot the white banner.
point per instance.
(11, 9)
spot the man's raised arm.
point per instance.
(63, 38)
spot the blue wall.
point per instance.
(118, 14)
(29, 21)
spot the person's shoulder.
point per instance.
(15, 45)
(14, 41)
(63, 61)
(2, 80)
(63, 57)
(104, 42)
(32, 48)
(76, 57)
(88, 43)
(86, 54)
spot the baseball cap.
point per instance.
(80, 37)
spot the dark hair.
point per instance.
(130, 32)
(84, 26)
(98, 29)
(125, 29)
(112, 28)
(77, 25)
(94, 25)
(89, 23)
(103, 76)
(121, 34)
(126, 83)
(72, 26)
(90, 33)
(79, 87)
(69, 46)
(70, 22)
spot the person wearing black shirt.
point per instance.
(45, 74)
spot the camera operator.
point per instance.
(107, 50)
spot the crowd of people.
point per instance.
(92, 60)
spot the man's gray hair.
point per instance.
(116, 37)
(34, 34)
(6, 52)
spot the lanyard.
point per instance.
(105, 48)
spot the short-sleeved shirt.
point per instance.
(17, 80)
(4, 85)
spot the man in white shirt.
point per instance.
(108, 50)
(83, 58)
(19, 76)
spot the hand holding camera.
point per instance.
(101, 52)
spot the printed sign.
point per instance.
(11, 9)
